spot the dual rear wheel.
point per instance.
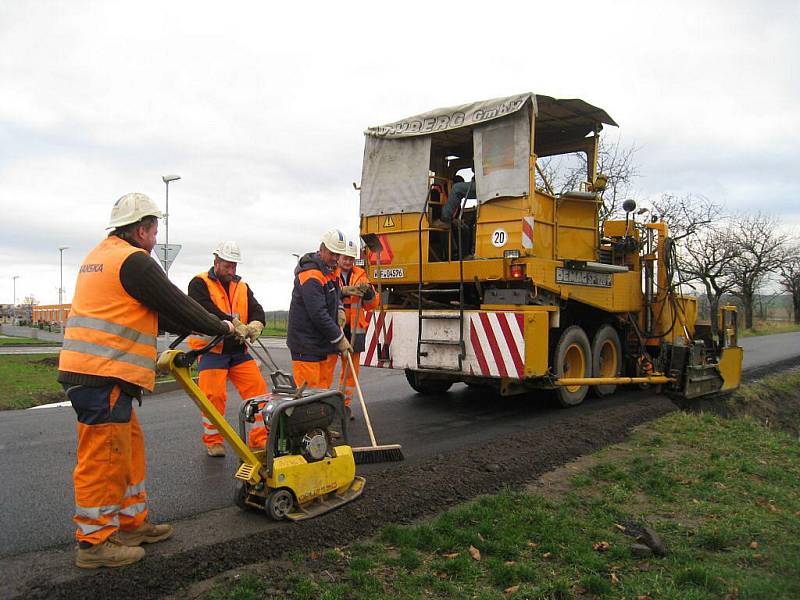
(575, 357)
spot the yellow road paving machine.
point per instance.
(504, 282)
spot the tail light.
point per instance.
(517, 271)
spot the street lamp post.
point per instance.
(166, 179)
(14, 301)
(61, 284)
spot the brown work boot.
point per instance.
(216, 450)
(110, 553)
(146, 533)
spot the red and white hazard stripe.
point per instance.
(498, 343)
(380, 330)
(527, 232)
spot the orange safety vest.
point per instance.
(233, 302)
(357, 275)
(109, 333)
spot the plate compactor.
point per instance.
(307, 467)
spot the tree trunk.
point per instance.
(747, 304)
(796, 304)
(713, 311)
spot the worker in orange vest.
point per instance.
(358, 297)
(108, 357)
(224, 294)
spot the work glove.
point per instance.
(230, 327)
(341, 318)
(367, 291)
(352, 290)
(239, 330)
(254, 329)
(343, 345)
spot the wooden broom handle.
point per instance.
(361, 398)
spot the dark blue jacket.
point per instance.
(313, 332)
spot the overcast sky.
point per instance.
(260, 107)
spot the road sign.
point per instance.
(166, 254)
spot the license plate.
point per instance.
(578, 277)
(394, 273)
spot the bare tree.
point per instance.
(706, 256)
(616, 160)
(687, 215)
(761, 251)
(790, 278)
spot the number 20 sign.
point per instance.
(499, 238)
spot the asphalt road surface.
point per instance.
(38, 450)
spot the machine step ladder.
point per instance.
(425, 344)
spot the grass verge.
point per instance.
(769, 328)
(25, 341)
(28, 380)
(722, 493)
(279, 331)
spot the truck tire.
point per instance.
(606, 358)
(572, 357)
(426, 385)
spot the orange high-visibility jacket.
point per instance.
(357, 275)
(109, 333)
(233, 302)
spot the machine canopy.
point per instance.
(492, 136)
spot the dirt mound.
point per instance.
(773, 401)
(48, 397)
(401, 493)
(48, 361)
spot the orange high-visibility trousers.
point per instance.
(317, 374)
(215, 370)
(346, 381)
(109, 474)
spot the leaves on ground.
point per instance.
(601, 546)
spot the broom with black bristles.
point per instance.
(374, 453)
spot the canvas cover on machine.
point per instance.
(502, 151)
(454, 117)
(394, 178)
(397, 156)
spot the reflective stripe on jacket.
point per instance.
(233, 302)
(357, 276)
(108, 332)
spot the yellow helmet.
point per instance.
(132, 208)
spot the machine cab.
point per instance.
(462, 183)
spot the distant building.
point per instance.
(50, 313)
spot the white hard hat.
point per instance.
(132, 208)
(351, 249)
(228, 251)
(334, 240)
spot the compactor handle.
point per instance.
(176, 342)
(187, 358)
